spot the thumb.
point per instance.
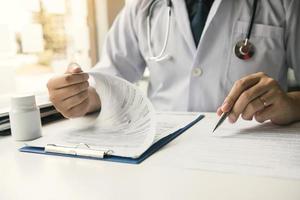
(73, 69)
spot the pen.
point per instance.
(222, 119)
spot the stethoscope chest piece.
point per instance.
(244, 49)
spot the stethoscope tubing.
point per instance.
(244, 49)
(252, 19)
(161, 55)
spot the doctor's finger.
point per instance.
(270, 97)
(219, 111)
(75, 100)
(67, 80)
(238, 88)
(253, 107)
(73, 68)
(249, 95)
(78, 110)
(265, 114)
(67, 92)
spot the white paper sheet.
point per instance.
(169, 122)
(125, 126)
(245, 148)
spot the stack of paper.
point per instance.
(127, 125)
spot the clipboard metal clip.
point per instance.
(79, 150)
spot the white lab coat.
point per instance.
(198, 79)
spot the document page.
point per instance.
(245, 147)
(125, 126)
(169, 122)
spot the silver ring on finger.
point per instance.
(263, 102)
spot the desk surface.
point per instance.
(31, 176)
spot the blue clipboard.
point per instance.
(151, 150)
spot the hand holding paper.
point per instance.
(127, 125)
(71, 94)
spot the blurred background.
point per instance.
(40, 37)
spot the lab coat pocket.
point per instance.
(269, 52)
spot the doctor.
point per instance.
(203, 55)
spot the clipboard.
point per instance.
(83, 151)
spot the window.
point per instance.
(39, 38)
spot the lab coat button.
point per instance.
(197, 72)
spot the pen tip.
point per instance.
(214, 129)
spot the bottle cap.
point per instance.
(23, 102)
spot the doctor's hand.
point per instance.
(71, 94)
(259, 96)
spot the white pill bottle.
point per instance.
(25, 120)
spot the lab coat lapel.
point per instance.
(210, 17)
(182, 19)
(184, 25)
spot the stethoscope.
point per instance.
(161, 56)
(243, 50)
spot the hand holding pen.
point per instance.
(261, 97)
